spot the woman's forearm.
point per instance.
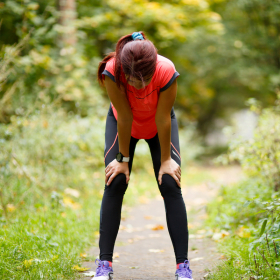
(124, 134)
(164, 135)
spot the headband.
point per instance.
(137, 36)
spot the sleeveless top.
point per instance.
(143, 102)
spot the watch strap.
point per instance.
(125, 159)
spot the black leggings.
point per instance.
(110, 212)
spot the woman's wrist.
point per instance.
(124, 135)
(165, 158)
(124, 153)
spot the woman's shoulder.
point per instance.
(110, 68)
(164, 65)
(111, 62)
(165, 72)
(164, 60)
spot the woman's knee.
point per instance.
(169, 187)
(118, 186)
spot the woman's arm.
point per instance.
(125, 116)
(163, 122)
(124, 123)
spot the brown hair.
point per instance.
(136, 58)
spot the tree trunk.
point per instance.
(67, 9)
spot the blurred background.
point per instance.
(53, 112)
(226, 52)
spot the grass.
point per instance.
(250, 253)
(48, 239)
(240, 263)
(45, 241)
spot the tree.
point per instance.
(67, 17)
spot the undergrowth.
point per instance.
(249, 212)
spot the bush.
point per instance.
(250, 210)
(260, 156)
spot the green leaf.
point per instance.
(246, 203)
(263, 227)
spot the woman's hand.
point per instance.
(172, 168)
(114, 168)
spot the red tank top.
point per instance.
(143, 102)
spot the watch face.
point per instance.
(119, 157)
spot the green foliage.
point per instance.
(167, 23)
(49, 143)
(242, 61)
(50, 192)
(260, 156)
(45, 75)
(45, 71)
(225, 51)
(46, 243)
(250, 210)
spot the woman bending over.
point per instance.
(142, 87)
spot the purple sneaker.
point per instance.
(104, 271)
(184, 272)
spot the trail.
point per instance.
(141, 252)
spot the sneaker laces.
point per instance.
(103, 268)
(184, 269)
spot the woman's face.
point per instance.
(132, 81)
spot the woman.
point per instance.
(142, 88)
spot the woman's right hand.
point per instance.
(114, 168)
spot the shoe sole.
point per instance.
(177, 278)
(104, 277)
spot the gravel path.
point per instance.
(143, 248)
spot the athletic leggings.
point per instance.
(110, 212)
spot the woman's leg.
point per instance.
(176, 214)
(110, 212)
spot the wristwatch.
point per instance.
(121, 158)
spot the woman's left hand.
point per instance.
(172, 168)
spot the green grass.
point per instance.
(240, 263)
(45, 240)
(230, 211)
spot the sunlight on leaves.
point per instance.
(27, 263)
(243, 232)
(71, 203)
(78, 268)
(11, 207)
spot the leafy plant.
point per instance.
(260, 156)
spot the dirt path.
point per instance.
(141, 252)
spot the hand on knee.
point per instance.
(172, 168)
(118, 186)
(113, 169)
(169, 187)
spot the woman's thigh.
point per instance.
(155, 150)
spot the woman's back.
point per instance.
(143, 102)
